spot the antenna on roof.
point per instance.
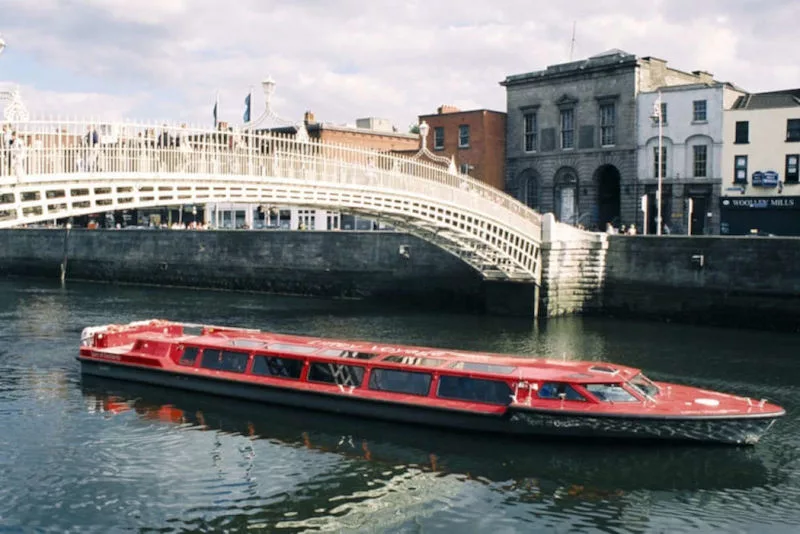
(572, 43)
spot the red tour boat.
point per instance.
(446, 388)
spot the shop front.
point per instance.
(772, 215)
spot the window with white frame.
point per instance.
(699, 111)
(740, 170)
(567, 128)
(792, 174)
(608, 120)
(530, 128)
(663, 161)
(463, 136)
(438, 138)
(662, 115)
(700, 160)
(465, 168)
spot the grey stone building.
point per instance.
(571, 143)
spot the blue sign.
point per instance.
(765, 179)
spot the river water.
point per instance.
(80, 455)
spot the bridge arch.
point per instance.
(69, 168)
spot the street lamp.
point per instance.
(268, 86)
(658, 116)
(423, 133)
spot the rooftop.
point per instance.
(786, 98)
(614, 56)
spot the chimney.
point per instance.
(445, 108)
(308, 118)
(705, 77)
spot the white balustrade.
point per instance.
(63, 168)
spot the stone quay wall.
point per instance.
(324, 264)
(751, 282)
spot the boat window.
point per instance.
(484, 367)
(474, 389)
(189, 356)
(396, 381)
(234, 362)
(603, 369)
(644, 385)
(555, 390)
(295, 349)
(413, 360)
(610, 392)
(273, 366)
(247, 343)
(336, 373)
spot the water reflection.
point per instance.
(601, 469)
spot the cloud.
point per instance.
(348, 58)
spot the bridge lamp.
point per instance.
(423, 132)
(268, 85)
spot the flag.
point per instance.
(247, 108)
(216, 108)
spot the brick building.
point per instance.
(476, 140)
(370, 133)
(571, 142)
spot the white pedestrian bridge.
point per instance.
(56, 169)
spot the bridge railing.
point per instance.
(44, 148)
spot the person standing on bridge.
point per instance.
(5, 151)
(19, 152)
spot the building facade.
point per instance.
(691, 140)
(475, 139)
(571, 140)
(761, 165)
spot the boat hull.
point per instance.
(517, 421)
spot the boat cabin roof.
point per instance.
(537, 369)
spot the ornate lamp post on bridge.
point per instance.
(658, 116)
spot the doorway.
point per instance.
(608, 196)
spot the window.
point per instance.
(189, 356)
(294, 349)
(663, 161)
(610, 393)
(413, 360)
(274, 366)
(465, 168)
(700, 159)
(438, 138)
(555, 390)
(742, 132)
(793, 130)
(530, 128)
(792, 174)
(463, 136)
(484, 367)
(233, 362)
(410, 382)
(608, 120)
(567, 128)
(740, 170)
(336, 353)
(699, 111)
(474, 389)
(334, 373)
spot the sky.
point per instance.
(166, 60)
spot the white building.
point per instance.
(691, 153)
(761, 162)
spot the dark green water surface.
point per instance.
(102, 456)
